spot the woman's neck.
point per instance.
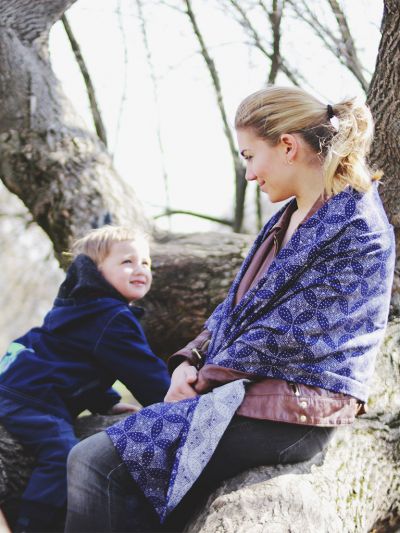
(310, 189)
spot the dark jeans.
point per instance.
(102, 496)
(49, 438)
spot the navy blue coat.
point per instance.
(89, 339)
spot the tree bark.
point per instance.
(66, 179)
(383, 100)
(60, 171)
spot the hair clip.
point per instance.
(333, 119)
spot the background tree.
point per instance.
(66, 179)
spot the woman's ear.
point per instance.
(290, 145)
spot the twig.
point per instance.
(98, 121)
(156, 100)
(168, 212)
(240, 183)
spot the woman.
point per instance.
(290, 350)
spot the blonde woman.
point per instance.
(286, 358)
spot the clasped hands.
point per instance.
(182, 380)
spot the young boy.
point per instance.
(90, 338)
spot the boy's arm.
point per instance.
(101, 402)
(123, 350)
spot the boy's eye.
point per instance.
(146, 263)
(126, 261)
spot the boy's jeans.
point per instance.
(102, 496)
(49, 439)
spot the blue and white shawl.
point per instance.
(316, 317)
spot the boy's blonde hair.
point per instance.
(97, 243)
(274, 111)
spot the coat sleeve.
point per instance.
(200, 343)
(101, 401)
(123, 350)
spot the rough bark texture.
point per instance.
(66, 179)
(60, 171)
(383, 99)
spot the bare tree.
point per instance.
(240, 182)
(383, 100)
(342, 44)
(66, 179)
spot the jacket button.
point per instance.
(303, 404)
(303, 418)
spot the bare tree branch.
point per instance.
(294, 76)
(240, 182)
(169, 212)
(156, 100)
(342, 48)
(349, 50)
(76, 49)
(275, 19)
(125, 79)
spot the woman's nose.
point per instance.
(250, 176)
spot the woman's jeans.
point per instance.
(102, 495)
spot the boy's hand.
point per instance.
(122, 407)
(182, 378)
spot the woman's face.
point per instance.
(269, 165)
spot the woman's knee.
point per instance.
(94, 453)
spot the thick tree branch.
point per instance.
(32, 20)
(276, 19)
(58, 169)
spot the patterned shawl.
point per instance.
(316, 317)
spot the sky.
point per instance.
(195, 152)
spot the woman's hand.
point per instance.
(182, 379)
(122, 407)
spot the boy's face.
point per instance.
(127, 268)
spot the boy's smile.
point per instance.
(127, 268)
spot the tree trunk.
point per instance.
(61, 172)
(65, 177)
(383, 99)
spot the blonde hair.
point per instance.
(274, 111)
(98, 242)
